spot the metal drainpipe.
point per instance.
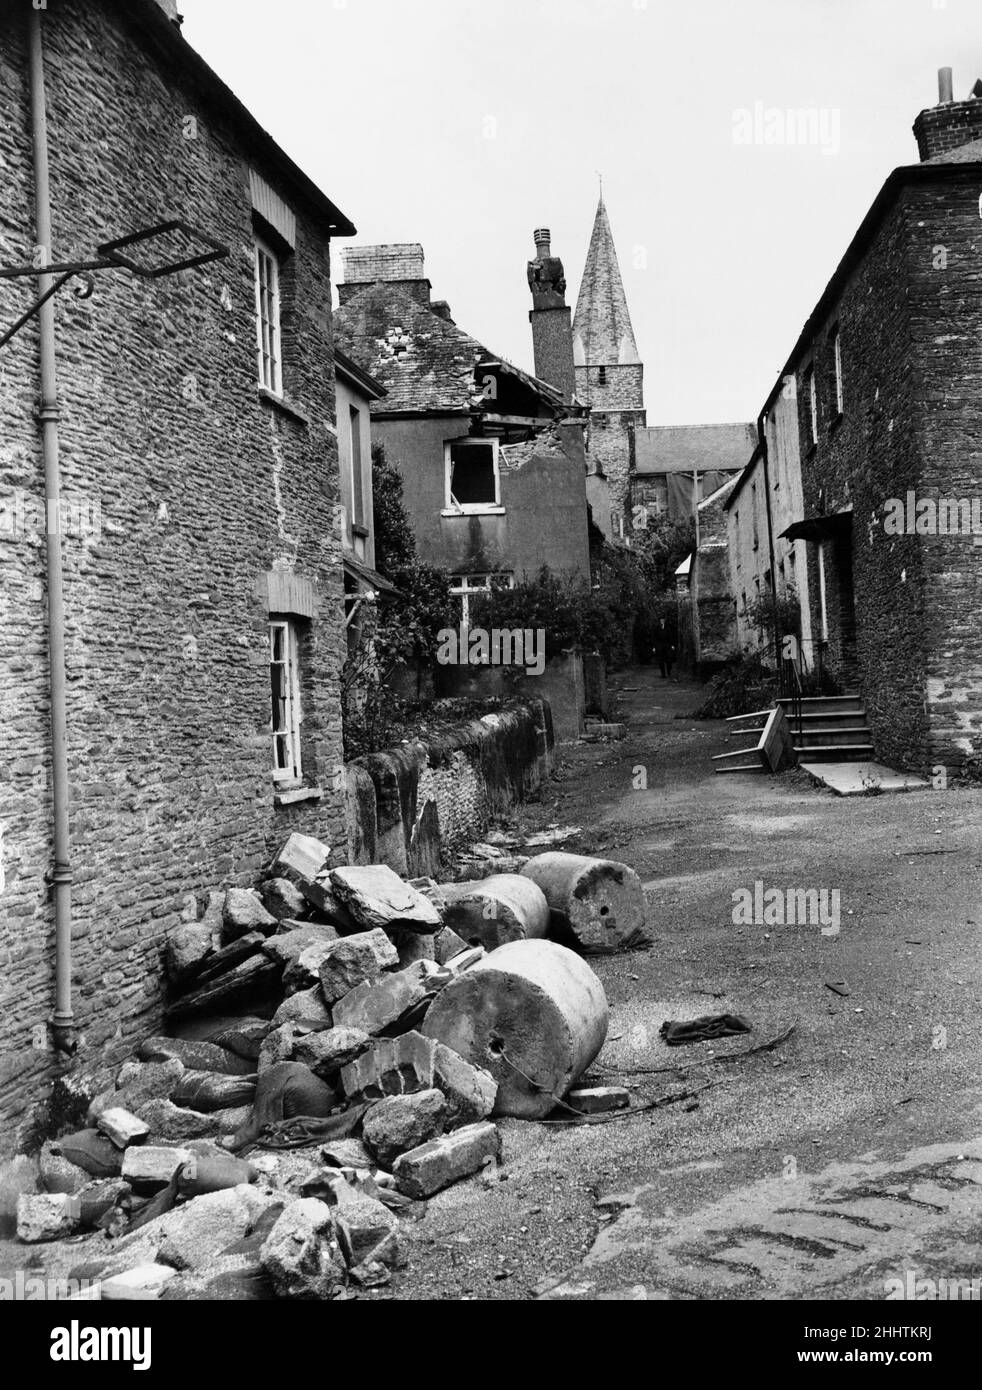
(63, 1022)
(762, 437)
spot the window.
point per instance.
(285, 691)
(464, 586)
(837, 350)
(812, 403)
(753, 513)
(602, 376)
(268, 318)
(600, 421)
(357, 469)
(472, 475)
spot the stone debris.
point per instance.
(122, 1127)
(301, 1254)
(244, 912)
(304, 972)
(301, 859)
(430, 1168)
(306, 1009)
(244, 981)
(46, 1216)
(399, 1123)
(496, 910)
(283, 900)
(57, 1174)
(195, 1055)
(391, 1067)
(188, 947)
(244, 1038)
(150, 1166)
(327, 1052)
(367, 1232)
(377, 897)
(446, 945)
(391, 1002)
(144, 1284)
(597, 1100)
(353, 961)
(206, 1092)
(470, 1092)
(286, 947)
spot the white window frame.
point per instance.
(287, 763)
(269, 340)
(454, 508)
(359, 511)
(466, 586)
(837, 349)
(813, 403)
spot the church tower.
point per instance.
(609, 371)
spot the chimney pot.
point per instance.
(946, 90)
(543, 242)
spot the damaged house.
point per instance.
(492, 458)
(176, 634)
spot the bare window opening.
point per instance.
(284, 673)
(472, 475)
(602, 376)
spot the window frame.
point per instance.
(468, 586)
(837, 360)
(292, 769)
(357, 471)
(274, 356)
(455, 508)
(811, 382)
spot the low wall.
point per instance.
(410, 806)
(574, 685)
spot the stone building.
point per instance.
(609, 372)
(492, 459)
(888, 371)
(676, 467)
(200, 546)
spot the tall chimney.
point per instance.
(951, 123)
(551, 320)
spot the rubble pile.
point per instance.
(344, 1041)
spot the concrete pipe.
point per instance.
(599, 901)
(494, 911)
(533, 1014)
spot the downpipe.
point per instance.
(62, 1024)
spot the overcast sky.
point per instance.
(465, 124)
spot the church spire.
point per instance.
(602, 330)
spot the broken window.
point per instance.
(472, 475)
(466, 586)
(284, 675)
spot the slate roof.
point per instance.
(602, 330)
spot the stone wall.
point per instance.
(188, 489)
(411, 806)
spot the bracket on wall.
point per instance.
(117, 255)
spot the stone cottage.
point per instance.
(176, 638)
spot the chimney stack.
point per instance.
(551, 320)
(951, 123)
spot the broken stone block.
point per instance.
(434, 1166)
(18, 1176)
(148, 1166)
(46, 1216)
(399, 1123)
(170, 1123)
(212, 916)
(90, 1151)
(206, 1092)
(304, 972)
(283, 900)
(138, 1082)
(278, 1046)
(286, 947)
(222, 962)
(355, 960)
(377, 897)
(393, 1002)
(465, 960)
(533, 1014)
(446, 945)
(244, 981)
(412, 946)
(243, 913)
(195, 1235)
(306, 1009)
(301, 859)
(601, 902)
(205, 1173)
(188, 948)
(496, 910)
(142, 1285)
(243, 1038)
(597, 1100)
(325, 1053)
(193, 1054)
(347, 1153)
(57, 1174)
(391, 1067)
(122, 1127)
(366, 1231)
(301, 1255)
(470, 1092)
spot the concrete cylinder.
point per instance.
(533, 1014)
(495, 911)
(599, 901)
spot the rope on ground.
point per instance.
(582, 1118)
(768, 1046)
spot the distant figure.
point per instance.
(664, 649)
